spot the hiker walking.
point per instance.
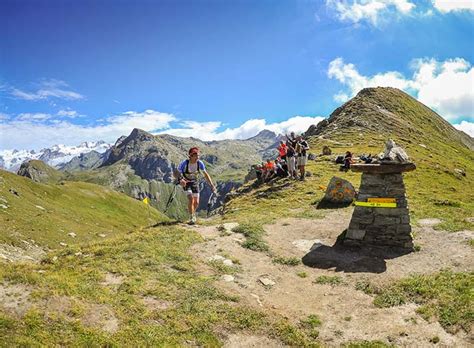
(189, 171)
(302, 156)
(290, 154)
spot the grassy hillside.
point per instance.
(122, 178)
(440, 187)
(47, 213)
(141, 289)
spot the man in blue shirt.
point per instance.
(189, 171)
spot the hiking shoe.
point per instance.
(193, 219)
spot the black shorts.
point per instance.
(192, 187)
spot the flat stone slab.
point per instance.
(429, 222)
(383, 168)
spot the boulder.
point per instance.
(326, 150)
(339, 192)
(393, 153)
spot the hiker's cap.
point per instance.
(193, 150)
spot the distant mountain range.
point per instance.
(56, 156)
(142, 164)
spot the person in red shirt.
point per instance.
(270, 169)
(282, 150)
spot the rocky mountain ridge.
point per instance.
(142, 165)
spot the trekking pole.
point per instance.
(171, 197)
(212, 200)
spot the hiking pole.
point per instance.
(171, 197)
(212, 200)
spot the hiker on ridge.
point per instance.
(290, 154)
(189, 171)
(302, 156)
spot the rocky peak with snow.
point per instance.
(54, 156)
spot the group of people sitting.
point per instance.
(291, 162)
(347, 160)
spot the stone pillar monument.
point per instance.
(376, 224)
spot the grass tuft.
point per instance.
(288, 261)
(330, 280)
(254, 236)
(446, 296)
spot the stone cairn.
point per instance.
(380, 226)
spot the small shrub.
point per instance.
(366, 287)
(331, 280)
(289, 261)
(254, 234)
(302, 274)
(311, 322)
(390, 299)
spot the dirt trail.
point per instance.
(347, 314)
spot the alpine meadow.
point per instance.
(251, 174)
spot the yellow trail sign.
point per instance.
(146, 200)
(382, 200)
(375, 204)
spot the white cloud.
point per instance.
(4, 116)
(209, 130)
(369, 10)
(447, 87)
(466, 127)
(47, 89)
(33, 117)
(453, 5)
(68, 113)
(26, 133)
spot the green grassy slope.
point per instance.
(122, 178)
(160, 300)
(46, 213)
(434, 189)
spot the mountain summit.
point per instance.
(389, 111)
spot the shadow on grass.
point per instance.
(351, 259)
(165, 223)
(325, 204)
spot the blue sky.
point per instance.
(72, 71)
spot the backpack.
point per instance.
(187, 172)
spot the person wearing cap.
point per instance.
(189, 171)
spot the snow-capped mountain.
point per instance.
(55, 156)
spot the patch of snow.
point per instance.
(54, 156)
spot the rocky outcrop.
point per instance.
(85, 161)
(223, 188)
(152, 166)
(39, 171)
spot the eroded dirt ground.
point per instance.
(347, 314)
